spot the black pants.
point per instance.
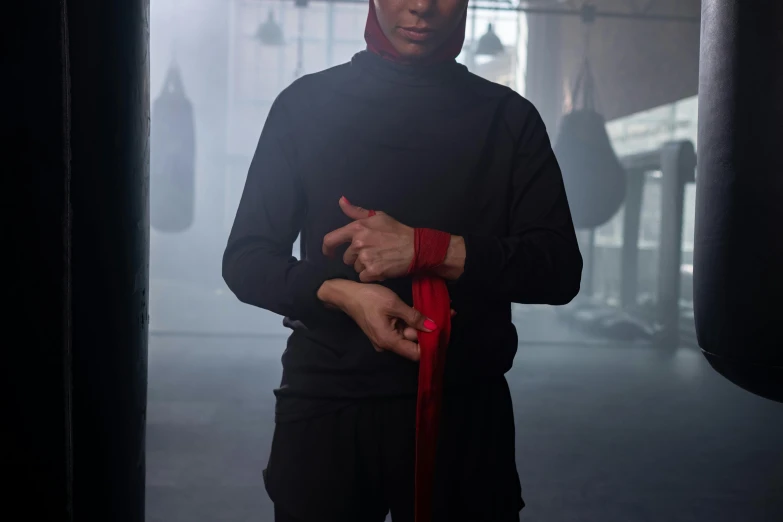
(357, 464)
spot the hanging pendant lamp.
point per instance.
(269, 32)
(489, 44)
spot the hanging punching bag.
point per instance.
(172, 157)
(593, 176)
(738, 249)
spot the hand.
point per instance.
(381, 247)
(387, 321)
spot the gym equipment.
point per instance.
(677, 162)
(593, 176)
(661, 322)
(172, 157)
(77, 122)
(738, 256)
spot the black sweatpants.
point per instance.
(357, 464)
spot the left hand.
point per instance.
(381, 247)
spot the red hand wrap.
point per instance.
(431, 298)
(429, 249)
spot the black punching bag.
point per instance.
(593, 176)
(76, 121)
(172, 157)
(738, 253)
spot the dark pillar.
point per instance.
(678, 161)
(76, 124)
(588, 275)
(632, 213)
(738, 256)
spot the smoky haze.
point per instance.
(611, 425)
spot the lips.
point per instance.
(417, 34)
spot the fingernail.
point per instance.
(346, 200)
(430, 324)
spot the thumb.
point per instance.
(414, 318)
(352, 211)
(411, 334)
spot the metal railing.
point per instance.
(676, 161)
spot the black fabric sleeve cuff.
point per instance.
(483, 258)
(305, 281)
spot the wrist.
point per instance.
(453, 264)
(334, 292)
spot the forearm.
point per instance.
(274, 282)
(541, 267)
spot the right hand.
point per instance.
(388, 322)
(412, 334)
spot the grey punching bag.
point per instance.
(593, 176)
(172, 157)
(738, 252)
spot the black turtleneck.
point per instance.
(434, 147)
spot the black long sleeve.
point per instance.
(257, 264)
(435, 147)
(539, 261)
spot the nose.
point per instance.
(421, 7)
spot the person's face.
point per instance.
(417, 27)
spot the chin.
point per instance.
(415, 51)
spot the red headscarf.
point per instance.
(380, 45)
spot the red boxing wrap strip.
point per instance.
(429, 249)
(431, 298)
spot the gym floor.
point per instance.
(605, 433)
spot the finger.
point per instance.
(351, 255)
(412, 334)
(405, 348)
(352, 211)
(339, 237)
(368, 276)
(413, 317)
(377, 348)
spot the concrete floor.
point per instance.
(605, 433)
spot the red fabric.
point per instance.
(431, 298)
(430, 294)
(380, 45)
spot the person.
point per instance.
(405, 130)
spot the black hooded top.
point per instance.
(434, 147)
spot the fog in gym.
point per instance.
(619, 416)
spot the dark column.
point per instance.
(630, 251)
(588, 276)
(678, 161)
(76, 124)
(738, 256)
